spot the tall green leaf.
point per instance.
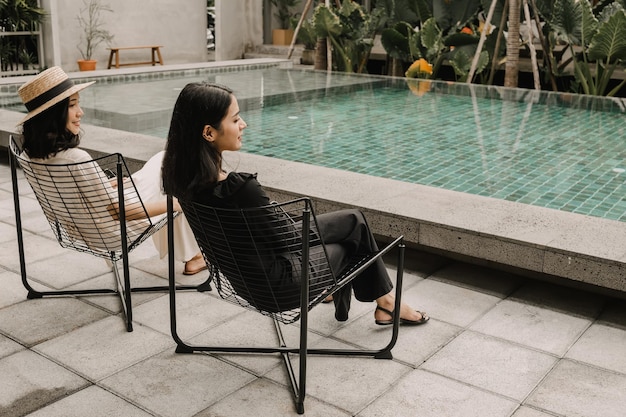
(431, 37)
(588, 22)
(421, 8)
(450, 14)
(415, 45)
(461, 62)
(325, 22)
(610, 42)
(395, 44)
(567, 20)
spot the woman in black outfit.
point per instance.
(206, 122)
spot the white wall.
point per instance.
(238, 27)
(180, 26)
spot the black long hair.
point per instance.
(191, 162)
(46, 134)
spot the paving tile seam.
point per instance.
(605, 323)
(307, 398)
(34, 350)
(593, 366)
(223, 357)
(12, 338)
(188, 337)
(85, 300)
(389, 389)
(125, 398)
(546, 377)
(67, 394)
(577, 338)
(434, 277)
(255, 379)
(467, 384)
(554, 308)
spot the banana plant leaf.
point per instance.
(567, 16)
(449, 14)
(421, 8)
(431, 37)
(461, 61)
(396, 41)
(589, 24)
(326, 23)
(609, 43)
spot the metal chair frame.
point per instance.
(47, 190)
(298, 384)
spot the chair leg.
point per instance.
(304, 333)
(128, 294)
(124, 292)
(298, 385)
(18, 227)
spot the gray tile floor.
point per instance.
(497, 345)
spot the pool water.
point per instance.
(556, 157)
(561, 151)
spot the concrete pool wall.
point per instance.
(543, 243)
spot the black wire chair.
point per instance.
(248, 249)
(81, 204)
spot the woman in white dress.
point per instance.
(52, 133)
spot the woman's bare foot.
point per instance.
(408, 315)
(195, 265)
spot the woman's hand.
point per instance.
(113, 181)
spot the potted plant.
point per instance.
(308, 38)
(90, 21)
(284, 34)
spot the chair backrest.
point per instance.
(78, 201)
(257, 254)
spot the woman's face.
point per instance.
(228, 137)
(74, 114)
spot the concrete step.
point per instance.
(276, 51)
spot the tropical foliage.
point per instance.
(585, 43)
(444, 30)
(19, 16)
(595, 39)
(350, 30)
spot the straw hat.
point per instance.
(47, 89)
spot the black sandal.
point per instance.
(422, 320)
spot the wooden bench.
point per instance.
(156, 55)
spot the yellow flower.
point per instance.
(419, 69)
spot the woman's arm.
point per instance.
(135, 211)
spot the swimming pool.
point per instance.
(550, 156)
(561, 151)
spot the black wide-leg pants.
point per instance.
(346, 233)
